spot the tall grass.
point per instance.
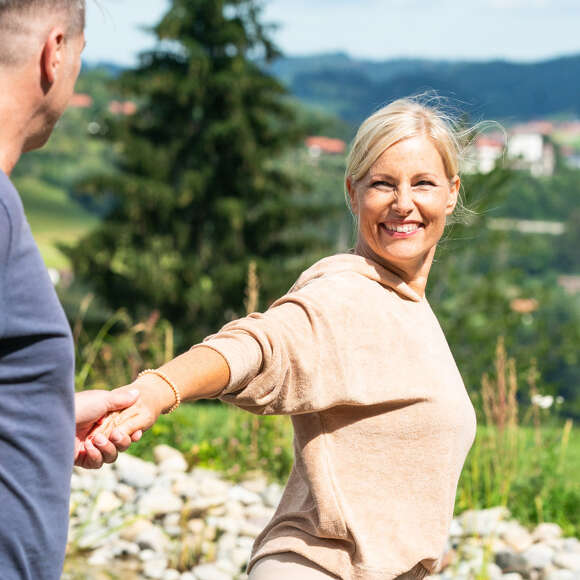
(519, 457)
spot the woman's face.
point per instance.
(402, 203)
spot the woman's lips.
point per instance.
(401, 230)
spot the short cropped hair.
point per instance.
(14, 15)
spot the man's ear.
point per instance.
(352, 195)
(53, 55)
(454, 186)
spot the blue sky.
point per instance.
(522, 30)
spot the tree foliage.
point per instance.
(203, 186)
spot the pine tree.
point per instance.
(205, 181)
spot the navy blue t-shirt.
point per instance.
(36, 405)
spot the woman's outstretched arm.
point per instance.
(198, 373)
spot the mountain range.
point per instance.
(500, 90)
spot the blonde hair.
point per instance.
(400, 120)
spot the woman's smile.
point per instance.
(401, 229)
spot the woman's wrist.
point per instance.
(155, 391)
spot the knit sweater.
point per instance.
(382, 421)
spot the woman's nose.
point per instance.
(403, 202)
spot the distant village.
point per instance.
(533, 146)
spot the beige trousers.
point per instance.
(291, 566)
(288, 566)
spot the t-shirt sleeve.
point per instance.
(285, 361)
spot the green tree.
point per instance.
(203, 185)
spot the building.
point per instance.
(529, 147)
(484, 153)
(318, 146)
(80, 101)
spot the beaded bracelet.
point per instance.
(169, 382)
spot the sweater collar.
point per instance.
(363, 266)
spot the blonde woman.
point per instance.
(354, 354)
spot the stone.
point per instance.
(272, 495)
(153, 538)
(568, 560)
(230, 525)
(126, 493)
(169, 460)
(512, 576)
(455, 529)
(130, 532)
(172, 525)
(494, 571)
(187, 576)
(199, 506)
(171, 574)
(146, 555)
(100, 557)
(482, 522)
(257, 484)
(538, 556)
(122, 549)
(159, 501)
(134, 471)
(155, 567)
(244, 496)
(571, 545)
(239, 557)
(511, 562)
(186, 487)
(210, 572)
(546, 531)
(517, 537)
(250, 529)
(107, 502)
(560, 575)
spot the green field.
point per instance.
(54, 218)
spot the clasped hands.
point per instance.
(107, 422)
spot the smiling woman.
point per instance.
(402, 181)
(354, 354)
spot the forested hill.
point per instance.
(499, 90)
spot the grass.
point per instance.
(54, 218)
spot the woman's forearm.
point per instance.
(197, 374)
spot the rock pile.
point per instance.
(158, 520)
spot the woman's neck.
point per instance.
(414, 274)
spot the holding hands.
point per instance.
(92, 449)
(113, 419)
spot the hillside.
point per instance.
(501, 90)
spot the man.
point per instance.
(40, 58)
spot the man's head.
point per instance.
(40, 47)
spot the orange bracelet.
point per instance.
(169, 382)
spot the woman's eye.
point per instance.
(383, 184)
(424, 183)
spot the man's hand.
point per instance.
(91, 408)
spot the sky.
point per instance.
(520, 30)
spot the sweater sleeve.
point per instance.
(285, 361)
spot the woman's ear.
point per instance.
(352, 195)
(454, 186)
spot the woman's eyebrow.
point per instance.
(381, 175)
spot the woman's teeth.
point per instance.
(402, 228)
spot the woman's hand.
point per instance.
(90, 408)
(155, 396)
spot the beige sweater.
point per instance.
(381, 418)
